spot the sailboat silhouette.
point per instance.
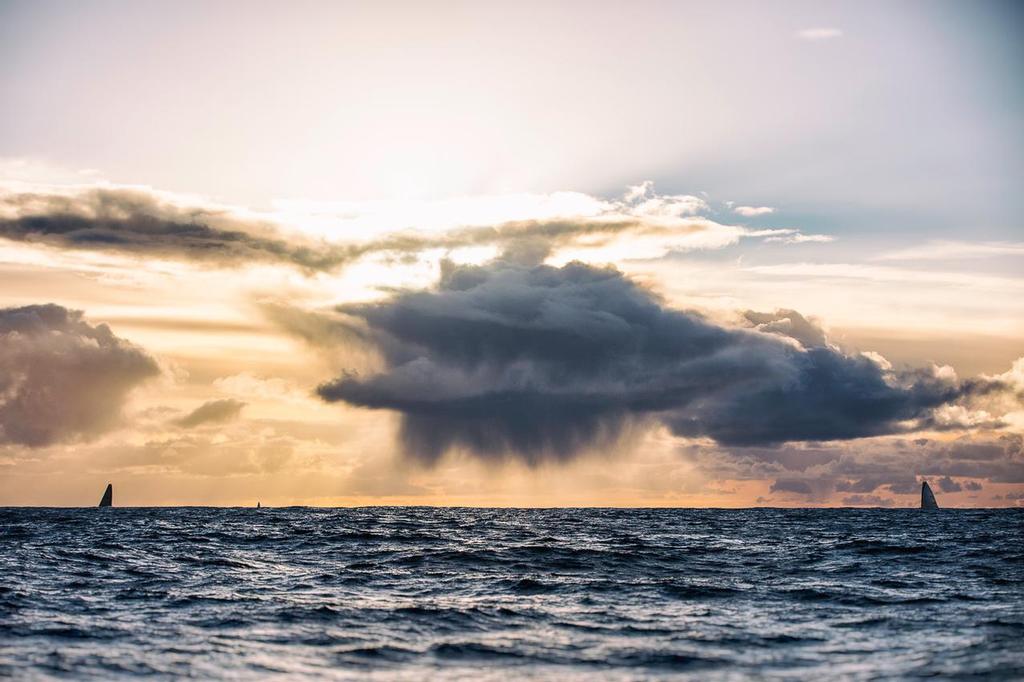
(927, 497)
(108, 497)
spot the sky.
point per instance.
(511, 254)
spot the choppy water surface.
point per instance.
(499, 593)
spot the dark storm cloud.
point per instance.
(62, 378)
(212, 412)
(544, 362)
(140, 223)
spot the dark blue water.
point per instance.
(412, 593)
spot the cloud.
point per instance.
(798, 486)
(61, 378)
(869, 485)
(799, 238)
(948, 485)
(789, 323)
(881, 465)
(233, 454)
(643, 200)
(142, 223)
(886, 274)
(949, 250)
(212, 412)
(904, 484)
(543, 362)
(148, 224)
(819, 34)
(252, 386)
(811, 489)
(1000, 459)
(867, 501)
(753, 211)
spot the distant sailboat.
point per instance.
(927, 497)
(108, 497)
(257, 505)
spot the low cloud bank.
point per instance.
(870, 468)
(62, 378)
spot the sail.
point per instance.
(108, 496)
(927, 497)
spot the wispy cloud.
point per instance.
(212, 412)
(819, 33)
(879, 273)
(948, 250)
(753, 211)
(798, 238)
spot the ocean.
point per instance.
(569, 594)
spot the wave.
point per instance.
(435, 593)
